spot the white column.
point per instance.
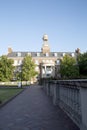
(45, 70)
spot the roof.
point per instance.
(39, 54)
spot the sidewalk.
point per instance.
(33, 110)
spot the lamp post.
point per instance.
(21, 79)
(21, 75)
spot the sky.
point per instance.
(24, 22)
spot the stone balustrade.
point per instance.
(71, 96)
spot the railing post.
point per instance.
(83, 92)
(71, 96)
(48, 89)
(55, 93)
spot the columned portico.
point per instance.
(47, 70)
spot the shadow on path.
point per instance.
(33, 110)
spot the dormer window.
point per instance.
(38, 54)
(19, 54)
(72, 54)
(63, 54)
(29, 54)
(55, 54)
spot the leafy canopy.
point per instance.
(68, 67)
(28, 68)
(82, 62)
(6, 68)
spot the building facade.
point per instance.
(47, 62)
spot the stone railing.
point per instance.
(71, 96)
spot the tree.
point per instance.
(28, 68)
(68, 67)
(82, 62)
(6, 68)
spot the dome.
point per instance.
(45, 37)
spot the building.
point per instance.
(45, 60)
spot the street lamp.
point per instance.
(21, 78)
(21, 74)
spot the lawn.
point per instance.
(7, 93)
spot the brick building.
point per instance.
(45, 60)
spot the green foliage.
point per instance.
(68, 67)
(28, 68)
(6, 68)
(82, 62)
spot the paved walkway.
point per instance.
(33, 110)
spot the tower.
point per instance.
(9, 50)
(45, 47)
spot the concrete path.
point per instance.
(33, 110)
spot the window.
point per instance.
(38, 54)
(58, 62)
(29, 54)
(51, 61)
(48, 68)
(47, 61)
(47, 54)
(15, 62)
(55, 54)
(19, 54)
(37, 68)
(63, 54)
(43, 61)
(19, 62)
(36, 62)
(48, 75)
(72, 55)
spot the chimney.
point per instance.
(9, 50)
(77, 50)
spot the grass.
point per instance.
(7, 93)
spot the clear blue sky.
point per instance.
(24, 22)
